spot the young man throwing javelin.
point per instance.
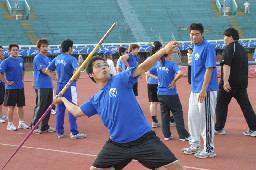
(131, 137)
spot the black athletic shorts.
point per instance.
(152, 92)
(135, 89)
(148, 150)
(2, 92)
(14, 97)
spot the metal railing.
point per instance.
(218, 5)
(234, 7)
(9, 6)
(27, 10)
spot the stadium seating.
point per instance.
(86, 21)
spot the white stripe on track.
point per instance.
(75, 153)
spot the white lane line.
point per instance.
(53, 150)
(75, 153)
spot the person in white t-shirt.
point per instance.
(108, 57)
(246, 7)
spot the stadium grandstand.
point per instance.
(86, 21)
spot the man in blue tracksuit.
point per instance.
(65, 64)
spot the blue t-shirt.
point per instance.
(118, 108)
(150, 79)
(165, 76)
(120, 64)
(203, 57)
(132, 60)
(41, 80)
(1, 81)
(65, 65)
(13, 69)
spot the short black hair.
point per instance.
(232, 32)
(1, 47)
(66, 44)
(197, 26)
(89, 68)
(13, 45)
(190, 49)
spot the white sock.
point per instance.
(21, 121)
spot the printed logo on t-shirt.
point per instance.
(164, 69)
(197, 56)
(61, 62)
(113, 92)
(21, 64)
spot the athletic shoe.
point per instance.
(172, 124)
(37, 131)
(77, 136)
(23, 126)
(50, 129)
(61, 136)
(204, 154)
(186, 139)
(219, 132)
(156, 124)
(4, 117)
(171, 137)
(250, 133)
(2, 120)
(11, 127)
(191, 150)
(53, 112)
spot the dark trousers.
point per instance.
(189, 74)
(172, 103)
(241, 96)
(135, 89)
(43, 101)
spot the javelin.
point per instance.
(63, 90)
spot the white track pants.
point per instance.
(201, 119)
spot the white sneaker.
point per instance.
(191, 150)
(11, 127)
(171, 137)
(219, 132)
(186, 139)
(77, 136)
(53, 112)
(250, 133)
(23, 126)
(172, 124)
(2, 120)
(154, 124)
(203, 154)
(4, 117)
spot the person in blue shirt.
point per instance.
(66, 65)
(13, 68)
(131, 60)
(152, 88)
(203, 98)
(120, 65)
(3, 117)
(168, 73)
(131, 137)
(42, 84)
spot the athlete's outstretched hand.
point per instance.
(170, 47)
